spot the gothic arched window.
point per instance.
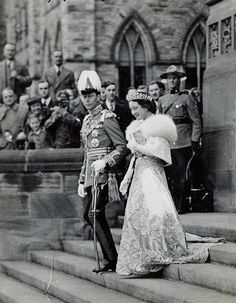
(194, 56)
(134, 53)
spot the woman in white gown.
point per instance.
(152, 235)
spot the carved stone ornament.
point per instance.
(214, 40)
(226, 35)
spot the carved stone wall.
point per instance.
(88, 31)
(39, 202)
(219, 102)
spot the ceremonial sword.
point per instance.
(95, 211)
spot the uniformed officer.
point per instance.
(183, 110)
(105, 146)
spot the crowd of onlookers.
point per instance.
(53, 118)
(50, 119)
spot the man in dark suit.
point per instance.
(156, 90)
(12, 73)
(44, 93)
(59, 77)
(117, 106)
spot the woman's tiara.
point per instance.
(135, 96)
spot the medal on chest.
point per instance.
(95, 142)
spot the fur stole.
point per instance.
(157, 125)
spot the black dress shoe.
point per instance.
(111, 266)
(181, 211)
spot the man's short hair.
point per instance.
(8, 89)
(108, 83)
(43, 81)
(142, 86)
(9, 43)
(129, 88)
(159, 83)
(57, 50)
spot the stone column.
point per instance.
(78, 26)
(2, 28)
(219, 95)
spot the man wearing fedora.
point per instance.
(182, 108)
(105, 147)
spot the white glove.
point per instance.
(127, 178)
(81, 191)
(124, 186)
(98, 165)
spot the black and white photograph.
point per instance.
(117, 151)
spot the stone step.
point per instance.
(204, 224)
(224, 254)
(66, 287)
(13, 291)
(82, 248)
(214, 276)
(149, 289)
(15, 246)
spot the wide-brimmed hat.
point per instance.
(172, 70)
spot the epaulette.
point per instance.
(108, 114)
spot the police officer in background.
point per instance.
(105, 146)
(184, 111)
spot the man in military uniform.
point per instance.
(105, 146)
(183, 110)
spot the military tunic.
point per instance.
(102, 139)
(182, 108)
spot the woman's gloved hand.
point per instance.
(81, 190)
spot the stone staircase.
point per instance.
(67, 275)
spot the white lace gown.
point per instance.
(152, 235)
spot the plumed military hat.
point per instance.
(34, 100)
(172, 70)
(89, 82)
